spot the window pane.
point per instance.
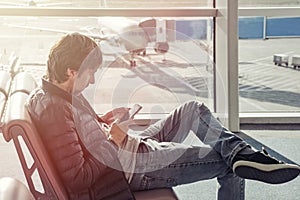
(159, 80)
(269, 50)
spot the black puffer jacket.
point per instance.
(85, 160)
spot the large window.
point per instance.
(159, 62)
(194, 67)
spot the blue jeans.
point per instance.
(166, 159)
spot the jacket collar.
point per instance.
(74, 100)
(53, 89)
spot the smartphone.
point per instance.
(134, 110)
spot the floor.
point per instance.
(281, 141)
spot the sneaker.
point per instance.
(261, 166)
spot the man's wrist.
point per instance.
(117, 135)
(119, 142)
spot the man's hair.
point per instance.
(74, 51)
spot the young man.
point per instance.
(90, 151)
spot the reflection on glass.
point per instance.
(159, 63)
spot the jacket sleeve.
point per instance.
(77, 168)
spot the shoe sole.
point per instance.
(268, 173)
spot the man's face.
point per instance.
(83, 79)
(86, 73)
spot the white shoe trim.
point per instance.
(263, 167)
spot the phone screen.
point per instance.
(134, 110)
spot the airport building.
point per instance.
(240, 58)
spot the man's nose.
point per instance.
(92, 79)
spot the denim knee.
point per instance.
(193, 105)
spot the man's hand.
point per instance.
(118, 132)
(116, 115)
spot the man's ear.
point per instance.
(71, 72)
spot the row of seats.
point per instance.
(5, 80)
(6, 77)
(41, 178)
(21, 82)
(14, 90)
